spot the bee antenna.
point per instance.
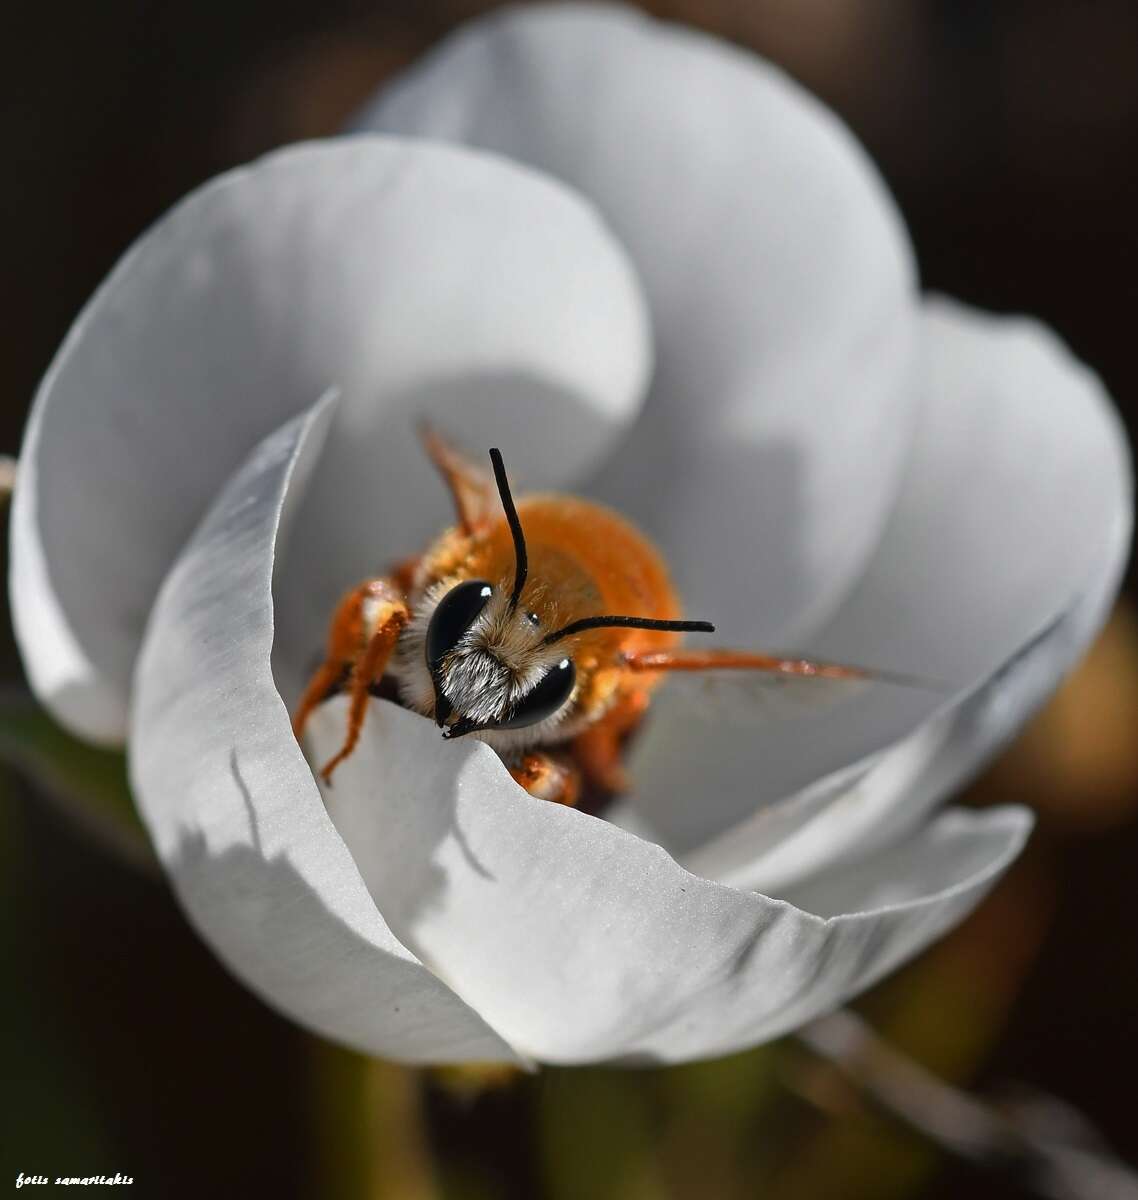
(628, 623)
(521, 559)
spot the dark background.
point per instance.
(1009, 135)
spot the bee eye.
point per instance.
(454, 615)
(545, 699)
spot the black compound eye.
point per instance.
(455, 614)
(545, 699)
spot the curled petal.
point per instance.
(996, 569)
(232, 807)
(778, 273)
(422, 280)
(579, 941)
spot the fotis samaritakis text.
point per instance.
(115, 1180)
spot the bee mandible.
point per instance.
(542, 628)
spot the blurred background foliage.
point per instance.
(1007, 133)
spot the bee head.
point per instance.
(493, 664)
(490, 666)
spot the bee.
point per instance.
(542, 628)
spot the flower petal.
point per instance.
(423, 280)
(878, 800)
(779, 277)
(231, 805)
(579, 941)
(996, 570)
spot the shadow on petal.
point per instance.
(231, 805)
(700, 499)
(372, 264)
(581, 942)
(274, 915)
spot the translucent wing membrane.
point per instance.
(748, 698)
(747, 686)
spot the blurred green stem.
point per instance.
(370, 1138)
(1021, 1143)
(87, 784)
(7, 476)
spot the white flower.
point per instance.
(825, 459)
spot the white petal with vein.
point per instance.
(778, 273)
(422, 280)
(996, 569)
(232, 807)
(579, 941)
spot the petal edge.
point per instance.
(232, 807)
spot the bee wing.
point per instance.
(471, 486)
(749, 686)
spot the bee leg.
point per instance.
(547, 779)
(599, 748)
(364, 631)
(327, 681)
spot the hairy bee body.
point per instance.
(541, 628)
(584, 558)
